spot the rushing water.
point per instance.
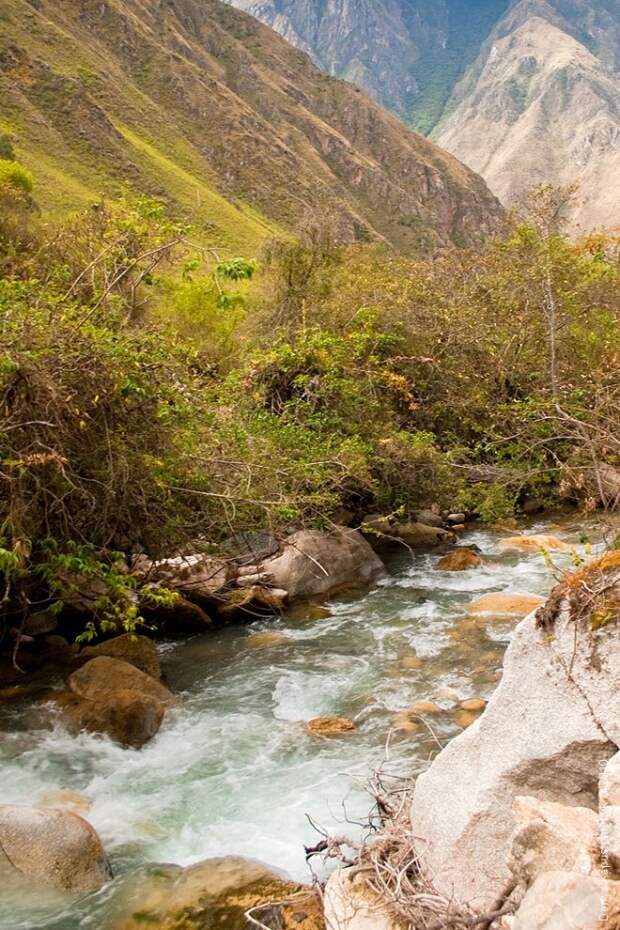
(233, 769)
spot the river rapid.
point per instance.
(233, 769)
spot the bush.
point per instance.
(15, 177)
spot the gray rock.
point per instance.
(197, 577)
(456, 518)
(429, 517)
(53, 847)
(419, 535)
(315, 563)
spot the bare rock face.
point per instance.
(53, 847)
(551, 724)
(315, 563)
(113, 697)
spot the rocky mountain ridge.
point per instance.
(524, 92)
(197, 102)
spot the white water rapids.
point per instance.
(233, 769)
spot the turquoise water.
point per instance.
(233, 769)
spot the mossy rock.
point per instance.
(216, 895)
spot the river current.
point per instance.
(233, 769)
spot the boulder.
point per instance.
(419, 535)
(330, 726)
(183, 618)
(104, 675)
(197, 577)
(217, 893)
(137, 650)
(459, 560)
(113, 697)
(456, 519)
(129, 718)
(348, 904)
(609, 836)
(265, 639)
(473, 705)
(53, 847)
(42, 623)
(250, 603)
(551, 837)
(563, 901)
(430, 518)
(537, 541)
(251, 548)
(503, 604)
(547, 730)
(315, 563)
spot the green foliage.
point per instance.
(144, 405)
(7, 152)
(15, 177)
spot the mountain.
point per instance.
(407, 54)
(197, 102)
(542, 104)
(523, 91)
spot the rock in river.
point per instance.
(137, 650)
(459, 560)
(315, 563)
(113, 697)
(215, 894)
(504, 604)
(53, 847)
(330, 726)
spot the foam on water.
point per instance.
(233, 769)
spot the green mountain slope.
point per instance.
(199, 103)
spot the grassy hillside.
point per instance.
(199, 104)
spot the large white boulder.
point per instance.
(314, 563)
(551, 724)
(54, 847)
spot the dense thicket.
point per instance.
(153, 397)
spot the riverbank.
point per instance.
(233, 769)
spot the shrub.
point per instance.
(15, 177)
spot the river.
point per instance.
(233, 769)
